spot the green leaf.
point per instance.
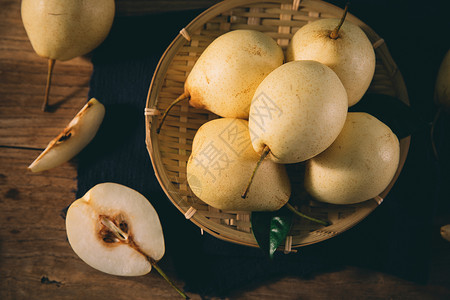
(271, 228)
(393, 112)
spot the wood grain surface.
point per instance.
(36, 261)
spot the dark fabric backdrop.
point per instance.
(395, 238)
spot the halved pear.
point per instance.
(116, 230)
(77, 135)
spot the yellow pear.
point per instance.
(442, 89)
(297, 111)
(78, 133)
(350, 54)
(226, 75)
(358, 166)
(222, 161)
(64, 29)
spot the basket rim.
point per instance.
(163, 64)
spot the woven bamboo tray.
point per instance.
(170, 150)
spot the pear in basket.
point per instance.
(442, 89)
(226, 75)
(64, 29)
(358, 166)
(340, 45)
(297, 112)
(221, 162)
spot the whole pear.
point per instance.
(358, 166)
(442, 89)
(64, 29)
(350, 55)
(222, 161)
(227, 73)
(297, 111)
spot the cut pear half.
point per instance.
(116, 230)
(77, 135)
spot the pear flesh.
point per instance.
(64, 29)
(351, 55)
(358, 166)
(88, 230)
(297, 111)
(221, 163)
(77, 135)
(226, 75)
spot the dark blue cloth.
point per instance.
(395, 238)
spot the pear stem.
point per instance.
(265, 152)
(182, 97)
(335, 33)
(161, 272)
(302, 215)
(123, 237)
(51, 64)
(433, 125)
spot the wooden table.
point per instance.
(36, 261)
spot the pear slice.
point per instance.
(116, 230)
(80, 131)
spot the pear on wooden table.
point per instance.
(226, 75)
(345, 48)
(358, 166)
(91, 222)
(221, 162)
(116, 230)
(64, 29)
(77, 135)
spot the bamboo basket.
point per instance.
(170, 150)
